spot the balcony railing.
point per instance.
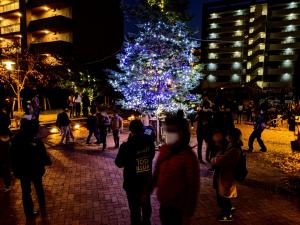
(9, 7)
(11, 29)
(63, 12)
(65, 38)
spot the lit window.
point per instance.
(249, 65)
(286, 77)
(235, 78)
(238, 33)
(288, 40)
(212, 66)
(212, 46)
(212, 56)
(239, 13)
(291, 16)
(237, 44)
(288, 51)
(250, 41)
(292, 5)
(239, 23)
(289, 28)
(262, 46)
(260, 71)
(214, 16)
(252, 9)
(249, 53)
(262, 34)
(287, 63)
(211, 78)
(213, 36)
(248, 78)
(236, 65)
(251, 30)
(237, 54)
(261, 58)
(265, 10)
(251, 20)
(213, 26)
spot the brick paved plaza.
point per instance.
(84, 187)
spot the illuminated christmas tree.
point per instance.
(156, 65)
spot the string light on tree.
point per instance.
(156, 67)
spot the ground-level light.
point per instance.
(77, 126)
(54, 130)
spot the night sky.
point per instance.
(195, 11)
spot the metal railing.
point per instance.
(11, 28)
(10, 7)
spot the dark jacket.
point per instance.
(5, 149)
(62, 120)
(29, 156)
(91, 123)
(136, 156)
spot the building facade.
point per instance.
(251, 42)
(43, 26)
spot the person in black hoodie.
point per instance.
(5, 143)
(92, 126)
(136, 156)
(29, 158)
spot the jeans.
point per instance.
(103, 135)
(26, 193)
(140, 212)
(256, 134)
(95, 133)
(224, 204)
(5, 172)
(239, 117)
(170, 216)
(78, 109)
(116, 134)
(200, 139)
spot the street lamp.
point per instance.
(9, 67)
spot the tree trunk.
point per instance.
(19, 101)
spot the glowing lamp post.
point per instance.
(9, 67)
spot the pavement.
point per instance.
(84, 187)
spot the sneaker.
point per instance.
(263, 150)
(250, 150)
(225, 218)
(233, 209)
(6, 189)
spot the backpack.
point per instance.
(241, 170)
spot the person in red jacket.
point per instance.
(176, 175)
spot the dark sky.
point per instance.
(195, 11)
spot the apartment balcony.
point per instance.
(279, 71)
(37, 3)
(283, 23)
(59, 47)
(227, 19)
(40, 37)
(56, 22)
(274, 47)
(224, 49)
(280, 58)
(284, 12)
(9, 7)
(10, 29)
(279, 35)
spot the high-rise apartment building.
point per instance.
(251, 42)
(40, 25)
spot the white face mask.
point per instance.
(172, 138)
